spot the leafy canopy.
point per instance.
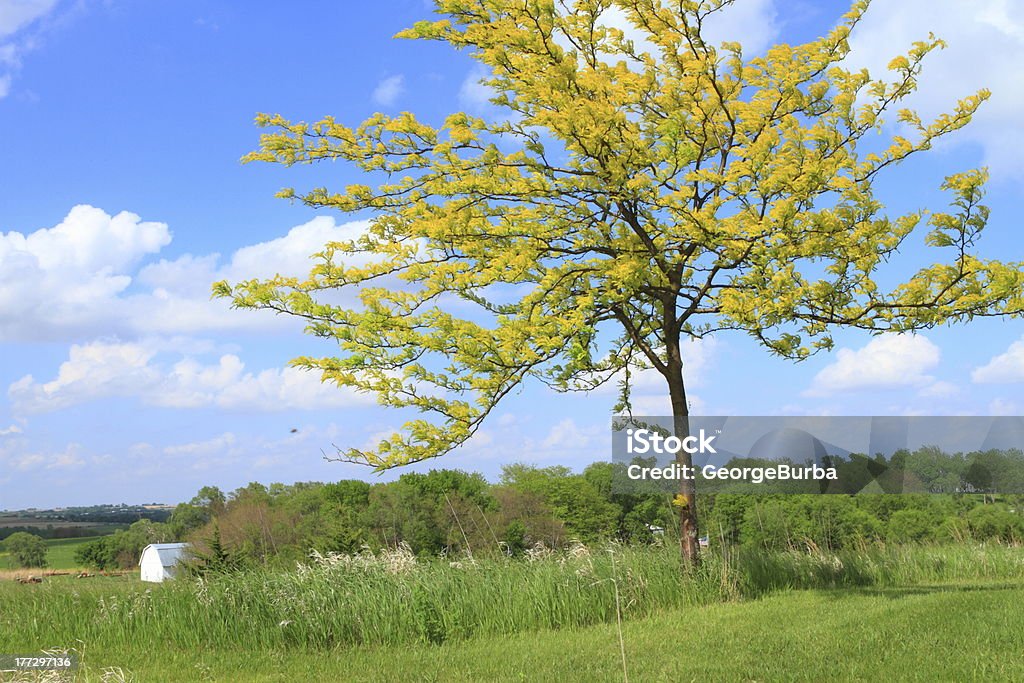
(662, 190)
(25, 549)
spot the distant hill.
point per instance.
(77, 522)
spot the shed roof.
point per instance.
(169, 553)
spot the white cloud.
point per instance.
(218, 444)
(986, 42)
(389, 90)
(86, 241)
(649, 392)
(66, 276)
(180, 289)
(653, 405)
(92, 371)
(999, 406)
(70, 459)
(17, 14)
(81, 278)
(885, 362)
(106, 369)
(10, 431)
(473, 94)
(16, 17)
(751, 23)
(24, 460)
(939, 390)
(1003, 369)
(289, 255)
(567, 435)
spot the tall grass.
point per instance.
(393, 598)
(758, 572)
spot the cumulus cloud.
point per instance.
(178, 300)
(83, 277)
(66, 275)
(1003, 369)
(96, 370)
(985, 39)
(288, 255)
(113, 369)
(885, 362)
(389, 90)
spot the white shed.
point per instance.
(159, 560)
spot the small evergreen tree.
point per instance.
(217, 559)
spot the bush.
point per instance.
(911, 526)
(26, 550)
(995, 522)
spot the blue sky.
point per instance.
(122, 198)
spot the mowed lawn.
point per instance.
(963, 632)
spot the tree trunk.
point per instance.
(686, 502)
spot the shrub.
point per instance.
(911, 526)
(26, 550)
(995, 522)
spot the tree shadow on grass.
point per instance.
(897, 592)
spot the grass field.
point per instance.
(949, 633)
(60, 553)
(921, 614)
(958, 632)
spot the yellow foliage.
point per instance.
(661, 194)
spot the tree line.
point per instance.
(455, 513)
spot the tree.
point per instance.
(124, 547)
(186, 518)
(210, 498)
(26, 550)
(211, 555)
(100, 554)
(573, 498)
(636, 195)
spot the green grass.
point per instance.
(904, 614)
(959, 632)
(61, 552)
